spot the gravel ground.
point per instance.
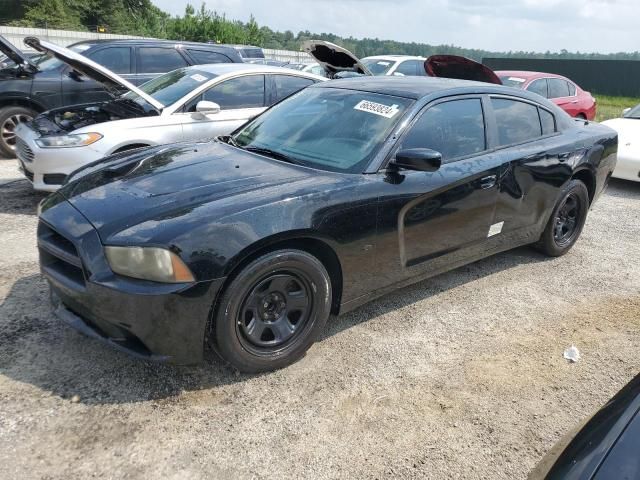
(461, 376)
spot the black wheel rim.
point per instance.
(275, 311)
(566, 222)
(8, 129)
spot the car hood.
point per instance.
(110, 80)
(161, 182)
(333, 58)
(461, 68)
(16, 55)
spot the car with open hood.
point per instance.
(339, 62)
(32, 85)
(187, 104)
(628, 128)
(340, 193)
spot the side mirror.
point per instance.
(625, 111)
(204, 108)
(422, 159)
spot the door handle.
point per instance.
(488, 182)
(574, 101)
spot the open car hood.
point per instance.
(111, 81)
(333, 58)
(15, 55)
(461, 68)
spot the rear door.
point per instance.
(240, 99)
(152, 61)
(560, 94)
(442, 217)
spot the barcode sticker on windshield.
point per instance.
(377, 108)
(517, 79)
(198, 78)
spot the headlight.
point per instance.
(66, 141)
(156, 264)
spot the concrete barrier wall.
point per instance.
(63, 38)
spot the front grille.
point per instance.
(59, 257)
(23, 151)
(54, 178)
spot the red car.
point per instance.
(560, 90)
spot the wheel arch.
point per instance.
(587, 177)
(304, 241)
(21, 102)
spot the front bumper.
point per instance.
(47, 168)
(162, 322)
(628, 166)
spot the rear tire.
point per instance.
(9, 119)
(567, 220)
(272, 311)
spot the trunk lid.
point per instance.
(110, 80)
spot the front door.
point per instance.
(430, 220)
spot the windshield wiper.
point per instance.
(271, 153)
(228, 139)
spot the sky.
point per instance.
(602, 26)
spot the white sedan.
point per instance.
(188, 104)
(628, 128)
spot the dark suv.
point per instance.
(34, 85)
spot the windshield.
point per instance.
(515, 82)
(633, 113)
(49, 62)
(330, 129)
(172, 86)
(377, 66)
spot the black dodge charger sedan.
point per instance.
(335, 196)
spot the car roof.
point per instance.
(396, 57)
(527, 75)
(148, 41)
(409, 87)
(224, 68)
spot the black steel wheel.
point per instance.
(272, 311)
(567, 220)
(10, 117)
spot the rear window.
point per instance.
(159, 60)
(203, 57)
(517, 121)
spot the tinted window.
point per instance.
(517, 121)
(159, 60)
(547, 121)
(288, 84)
(455, 129)
(572, 89)
(407, 68)
(203, 56)
(241, 92)
(539, 87)
(116, 59)
(558, 88)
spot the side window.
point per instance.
(517, 121)
(539, 86)
(241, 92)
(408, 67)
(116, 59)
(203, 57)
(572, 89)
(548, 122)
(454, 128)
(558, 88)
(159, 60)
(288, 85)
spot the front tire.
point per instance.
(10, 117)
(272, 311)
(567, 220)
